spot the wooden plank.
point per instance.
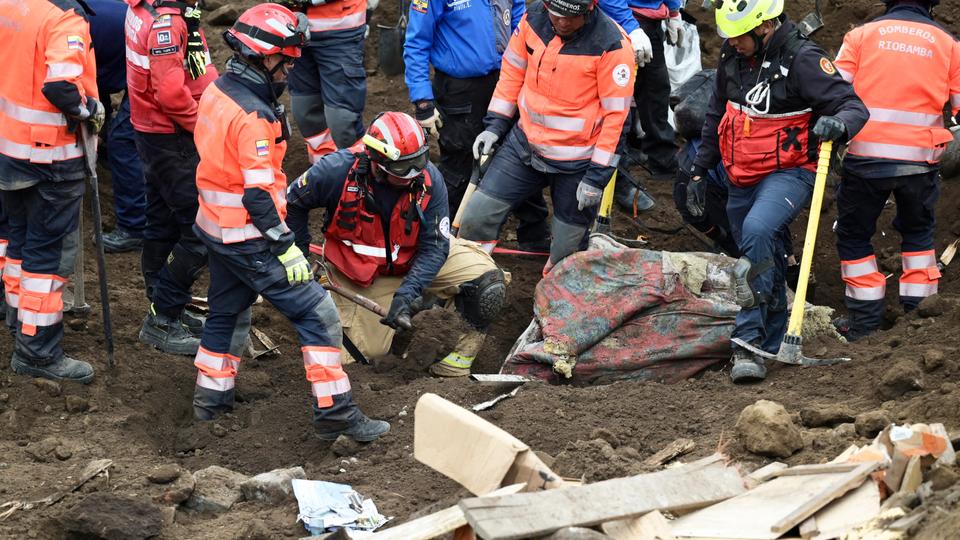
(912, 476)
(764, 473)
(523, 515)
(775, 503)
(824, 468)
(844, 514)
(670, 452)
(437, 523)
(651, 526)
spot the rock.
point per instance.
(345, 446)
(217, 489)
(870, 423)
(62, 453)
(903, 377)
(256, 530)
(169, 515)
(112, 517)
(845, 431)
(942, 477)
(932, 359)
(193, 437)
(164, 474)
(75, 404)
(51, 388)
(10, 421)
(765, 428)
(180, 490)
(932, 306)
(42, 451)
(4, 397)
(826, 416)
(272, 487)
(224, 16)
(218, 431)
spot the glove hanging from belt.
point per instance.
(196, 53)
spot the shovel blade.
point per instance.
(810, 24)
(791, 352)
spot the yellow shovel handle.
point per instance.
(606, 202)
(810, 241)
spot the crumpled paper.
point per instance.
(327, 505)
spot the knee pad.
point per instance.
(308, 114)
(186, 261)
(567, 238)
(744, 293)
(346, 127)
(482, 218)
(481, 299)
(326, 309)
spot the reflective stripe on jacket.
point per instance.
(337, 15)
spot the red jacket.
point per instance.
(162, 93)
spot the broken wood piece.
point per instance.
(772, 508)
(436, 524)
(946, 257)
(489, 404)
(764, 473)
(650, 526)
(823, 468)
(912, 476)
(907, 522)
(271, 348)
(499, 379)
(844, 514)
(670, 452)
(523, 515)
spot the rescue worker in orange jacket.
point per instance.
(328, 84)
(777, 96)
(168, 67)
(48, 87)
(905, 67)
(241, 136)
(569, 71)
(387, 237)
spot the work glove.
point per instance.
(829, 128)
(296, 265)
(642, 47)
(674, 29)
(588, 196)
(93, 113)
(696, 195)
(372, 4)
(196, 57)
(429, 117)
(483, 145)
(399, 315)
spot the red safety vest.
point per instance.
(753, 145)
(355, 244)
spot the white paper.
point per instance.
(324, 505)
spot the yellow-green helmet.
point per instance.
(737, 17)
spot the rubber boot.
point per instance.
(168, 334)
(747, 367)
(67, 369)
(459, 361)
(363, 430)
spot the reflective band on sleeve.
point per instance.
(274, 233)
(918, 290)
(257, 177)
(46, 154)
(908, 118)
(338, 23)
(847, 76)
(317, 140)
(59, 70)
(604, 158)
(563, 153)
(226, 235)
(502, 107)
(221, 198)
(138, 59)
(919, 260)
(866, 293)
(615, 103)
(514, 59)
(13, 299)
(895, 151)
(31, 116)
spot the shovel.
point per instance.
(812, 22)
(390, 47)
(791, 348)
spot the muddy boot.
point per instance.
(849, 331)
(193, 322)
(747, 367)
(167, 334)
(67, 369)
(363, 430)
(120, 241)
(458, 362)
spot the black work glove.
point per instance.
(196, 56)
(399, 315)
(697, 192)
(829, 128)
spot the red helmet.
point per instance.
(267, 29)
(398, 145)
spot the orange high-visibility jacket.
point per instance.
(905, 68)
(240, 140)
(574, 95)
(47, 56)
(339, 15)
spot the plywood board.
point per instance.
(652, 526)
(531, 514)
(772, 508)
(842, 515)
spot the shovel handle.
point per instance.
(358, 299)
(810, 241)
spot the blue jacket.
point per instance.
(321, 186)
(621, 12)
(457, 37)
(106, 31)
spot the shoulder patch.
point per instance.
(444, 227)
(827, 66)
(621, 75)
(75, 43)
(163, 51)
(263, 147)
(353, 189)
(419, 6)
(163, 21)
(164, 38)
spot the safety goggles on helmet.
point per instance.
(398, 146)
